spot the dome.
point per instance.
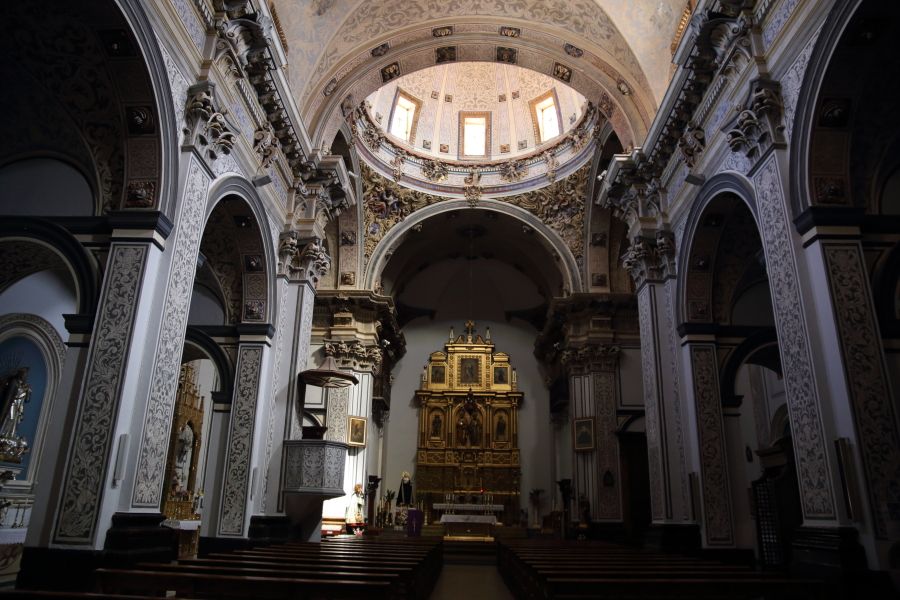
(493, 126)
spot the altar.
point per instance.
(469, 527)
(467, 457)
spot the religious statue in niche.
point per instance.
(183, 495)
(436, 423)
(500, 432)
(16, 393)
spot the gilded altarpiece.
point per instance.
(468, 448)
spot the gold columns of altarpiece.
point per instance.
(468, 447)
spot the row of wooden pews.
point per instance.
(337, 568)
(581, 570)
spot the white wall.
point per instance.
(48, 294)
(44, 186)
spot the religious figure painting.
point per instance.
(357, 431)
(500, 375)
(437, 374)
(436, 425)
(584, 434)
(468, 371)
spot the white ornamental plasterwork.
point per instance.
(776, 21)
(240, 440)
(676, 396)
(655, 451)
(333, 477)
(607, 445)
(869, 389)
(816, 490)
(337, 401)
(206, 126)
(717, 520)
(792, 81)
(158, 418)
(306, 302)
(270, 426)
(88, 455)
(179, 85)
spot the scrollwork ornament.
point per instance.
(513, 170)
(435, 171)
(266, 145)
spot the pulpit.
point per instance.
(468, 430)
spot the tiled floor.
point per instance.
(470, 582)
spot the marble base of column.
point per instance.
(672, 537)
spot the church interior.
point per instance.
(365, 298)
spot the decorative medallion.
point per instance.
(507, 55)
(510, 32)
(442, 31)
(380, 50)
(562, 72)
(445, 54)
(392, 71)
(574, 51)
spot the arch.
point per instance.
(804, 113)
(148, 43)
(52, 174)
(208, 346)
(236, 186)
(723, 183)
(753, 344)
(47, 339)
(50, 235)
(377, 262)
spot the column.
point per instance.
(593, 395)
(841, 304)
(717, 522)
(650, 262)
(90, 486)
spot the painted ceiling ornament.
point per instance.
(434, 170)
(513, 170)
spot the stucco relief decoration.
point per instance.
(205, 123)
(713, 468)
(92, 434)
(758, 124)
(266, 145)
(513, 170)
(875, 419)
(288, 247)
(158, 418)
(817, 498)
(435, 171)
(397, 165)
(314, 261)
(355, 355)
(240, 441)
(472, 189)
(692, 144)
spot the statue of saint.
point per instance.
(356, 509)
(500, 434)
(405, 493)
(436, 426)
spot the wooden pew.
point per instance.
(192, 585)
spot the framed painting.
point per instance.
(468, 371)
(501, 375)
(356, 431)
(438, 374)
(583, 431)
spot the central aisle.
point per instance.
(471, 582)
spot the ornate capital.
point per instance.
(354, 354)
(313, 261)
(205, 125)
(266, 144)
(759, 124)
(590, 358)
(651, 259)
